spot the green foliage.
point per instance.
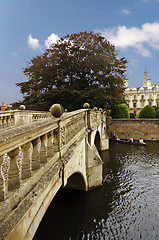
(8, 109)
(120, 111)
(147, 112)
(156, 108)
(132, 115)
(157, 114)
(79, 68)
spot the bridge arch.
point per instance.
(76, 181)
(67, 157)
(97, 140)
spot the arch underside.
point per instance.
(76, 181)
(97, 140)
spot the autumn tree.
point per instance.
(79, 68)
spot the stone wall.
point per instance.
(148, 129)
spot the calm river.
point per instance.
(125, 207)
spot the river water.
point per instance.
(126, 207)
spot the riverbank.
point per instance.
(148, 129)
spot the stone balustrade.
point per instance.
(20, 117)
(38, 158)
(25, 149)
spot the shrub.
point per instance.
(147, 112)
(156, 108)
(157, 114)
(120, 111)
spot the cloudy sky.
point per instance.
(28, 27)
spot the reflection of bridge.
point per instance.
(39, 157)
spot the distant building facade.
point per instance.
(137, 98)
(4, 106)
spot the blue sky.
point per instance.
(28, 27)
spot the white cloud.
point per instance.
(53, 38)
(33, 42)
(126, 11)
(142, 50)
(138, 38)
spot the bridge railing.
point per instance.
(28, 151)
(20, 117)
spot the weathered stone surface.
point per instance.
(135, 128)
(56, 110)
(22, 107)
(54, 153)
(86, 105)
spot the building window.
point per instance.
(142, 104)
(157, 95)
(134, 96)
(150, 96)
(135, 113)
(150, 103)
(142, 96)
(157, 103)
(134, 104)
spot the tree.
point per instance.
(81, 67)
(120, 111)
(147, 112)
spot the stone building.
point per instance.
(138, 97)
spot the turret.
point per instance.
(147, 82)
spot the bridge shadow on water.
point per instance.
(71, 214)
(124, 207)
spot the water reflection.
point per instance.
(125, 207)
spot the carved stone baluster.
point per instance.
(43, 149)
(4, 122)
(25, 168)
(50, 149)
(62, 136)
(56, 140)
(35, 164)
(13, 173)
(1, 122)
(1, 181)
(10, 121)
(13, 120)
(7, 121)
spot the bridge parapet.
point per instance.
(29, 151)
(20, 117)
(94, 118)
(24, 148)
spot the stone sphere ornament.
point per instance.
(56, 110)
(22, 107)
(86, 105)
(95, 109)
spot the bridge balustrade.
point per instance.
(25, 149)
(39, 157)
(6, 120)
(20, 117)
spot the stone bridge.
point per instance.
(39, 154)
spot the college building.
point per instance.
(138, 97)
